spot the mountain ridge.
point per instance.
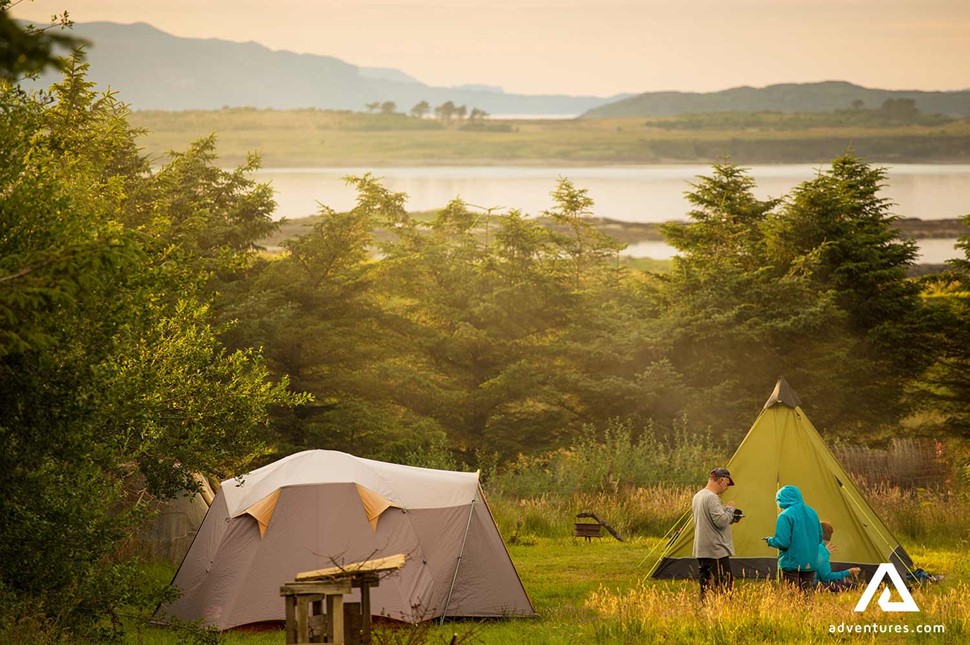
(821, 96)
(154, 70)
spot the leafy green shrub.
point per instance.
(114, 384)
(24, 622)
(614, 459)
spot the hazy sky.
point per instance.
(599, 47)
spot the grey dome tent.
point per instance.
(321, 508)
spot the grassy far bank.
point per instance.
(315, 138)
(633, 232)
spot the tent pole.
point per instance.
(454, 578)
(781, 448)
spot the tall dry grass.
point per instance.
(649, 511)
(641, 484)
(920, 516)
(766, 612)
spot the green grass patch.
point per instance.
(598, 592)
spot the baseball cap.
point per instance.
(722, 472)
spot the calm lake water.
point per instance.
(626, 193)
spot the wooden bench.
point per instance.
(586, 530)
(342, 623)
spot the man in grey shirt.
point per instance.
(713, 545)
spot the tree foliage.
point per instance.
(26, 49)
(946, 385)
(813, 287)
(420, 109)
(494, 329)
(318, 313)
(841, 219)
(509, 333)
(737, 317)
(113, 385)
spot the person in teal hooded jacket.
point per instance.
(797, 536)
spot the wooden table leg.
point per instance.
(338, 620)
(290, 620)
(302, 620)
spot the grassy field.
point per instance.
(316, 138)
(599, 592)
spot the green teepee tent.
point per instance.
(783, 447)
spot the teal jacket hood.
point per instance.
(797, 532)
(789, 496)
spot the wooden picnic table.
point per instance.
(341, 623)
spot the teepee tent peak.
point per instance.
(783, 393)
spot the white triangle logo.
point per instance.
(885, 569)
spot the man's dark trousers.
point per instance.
(715, 574)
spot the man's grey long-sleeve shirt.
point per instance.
(712, 526)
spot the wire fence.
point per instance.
(905, 463)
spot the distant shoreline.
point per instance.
(565, 163)
(634, 232)
(910, 227)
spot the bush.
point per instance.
(614, 459)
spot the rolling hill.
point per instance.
(153, 70)
(789, 97)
